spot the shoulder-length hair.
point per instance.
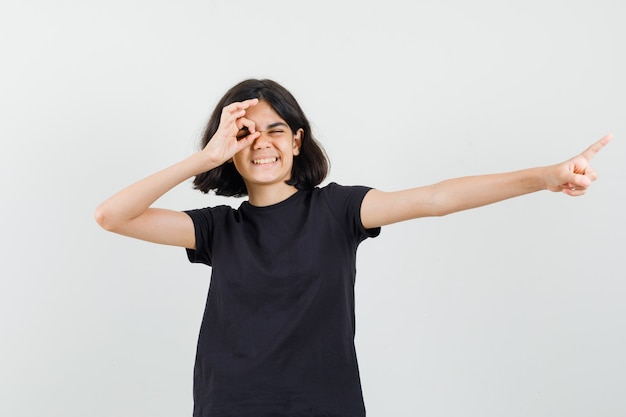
(310, 167)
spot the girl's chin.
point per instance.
(260, 181)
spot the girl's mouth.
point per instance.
(264, 161)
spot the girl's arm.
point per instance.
(129, 213)
(572, 177)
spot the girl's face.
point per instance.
(268, 161)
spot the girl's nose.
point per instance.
(262, 141)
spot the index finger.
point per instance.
(239, 106)
(591, 151)
(244, 104)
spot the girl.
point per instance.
(277, 336)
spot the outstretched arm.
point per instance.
(129, 213)
(572, 177)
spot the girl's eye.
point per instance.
(276, 131)
(243, 133)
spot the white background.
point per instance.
(515, 309)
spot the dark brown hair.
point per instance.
(310, 167)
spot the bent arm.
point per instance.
(128, 212)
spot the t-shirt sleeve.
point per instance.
(203, 221)
(345, 202)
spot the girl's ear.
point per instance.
(297, 141)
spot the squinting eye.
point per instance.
(243, 133)
(276, 131)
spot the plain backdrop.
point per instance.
(515, 309)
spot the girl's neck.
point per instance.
(267, 195)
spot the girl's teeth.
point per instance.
(264, 161)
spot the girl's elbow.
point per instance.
(436, 209)
(103, 218)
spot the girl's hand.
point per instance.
(574, 177)
(225, 142)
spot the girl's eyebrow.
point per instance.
(276, 124)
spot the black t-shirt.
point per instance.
(277, 336)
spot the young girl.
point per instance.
(277, 336)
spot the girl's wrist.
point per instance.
(202, 162)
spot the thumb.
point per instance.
(579, 180)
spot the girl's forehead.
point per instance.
(263, 113)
